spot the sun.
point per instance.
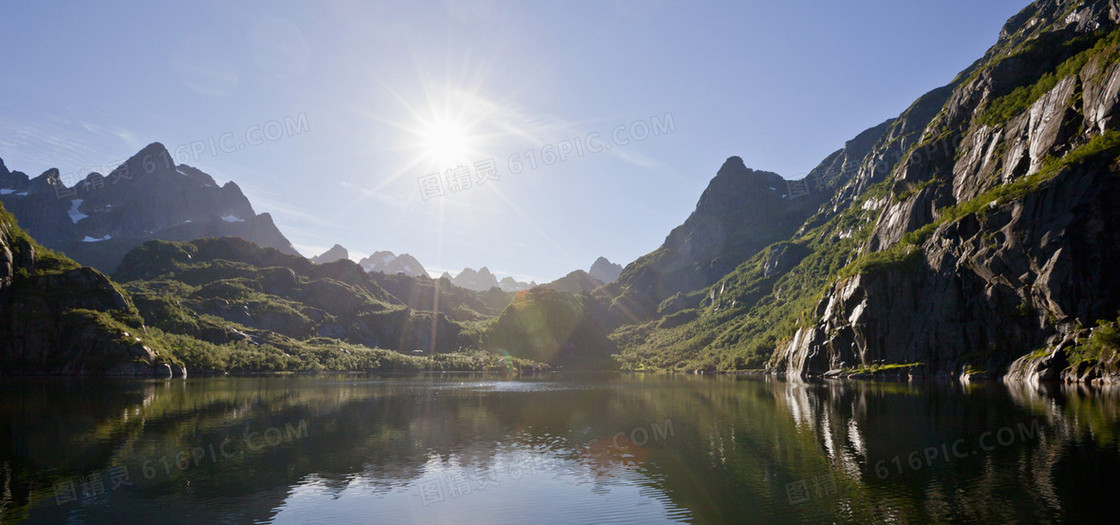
(446, 143)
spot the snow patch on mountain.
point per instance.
(76, 215)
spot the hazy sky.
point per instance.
(605, 120)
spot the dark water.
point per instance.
(576, 449)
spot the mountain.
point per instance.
(61, 318)
(975, 235)
(440, 295)
(478, 281)
(336, 253)
(998, 238)
(228, 290)
(553, 327)
(604, 270)
(740, 212)
(101, 218)
(509, 284)
(388, 263)
(575, 282)
(215, 305)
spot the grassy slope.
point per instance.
(174, 282)
(167, 325)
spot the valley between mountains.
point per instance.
(974, 236)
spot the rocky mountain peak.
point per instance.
(336, 253)
(148, 197)
(155, 149)
(733, 164)
(740, 212)
(480, 280)
(151, 164)
(605, 271)
(389, 263)
(49, 177)
(1064, 14)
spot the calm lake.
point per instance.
(605, 448)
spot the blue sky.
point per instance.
(604, 120)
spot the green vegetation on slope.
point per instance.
(214, 306)
(276, 353)
(1103, 344)
(47, 261)
(748, 312)
(1106, 46)
(546, 325)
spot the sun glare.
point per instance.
(445, 143)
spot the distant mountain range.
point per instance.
(477, 280)
(388, 263)
(602, 271)
(98, 220)
(976, 235)
(385, 262)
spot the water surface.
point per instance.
(558, 449)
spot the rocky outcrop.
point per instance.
(390, 264)
(740, 212)
(479, 281)
(605, 271)
(59, 318)
(99, 219)
(998, 242)
(336, 253)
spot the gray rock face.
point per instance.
(740, 212)
(509, 284)
(99, 219)
(479, 281)
(1025, 271)
(604, 270)
(336, 253)
(390, 264)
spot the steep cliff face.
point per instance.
(971, 234)
(999, 235)
(59, 318)
(740, 212)
(102, 217)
